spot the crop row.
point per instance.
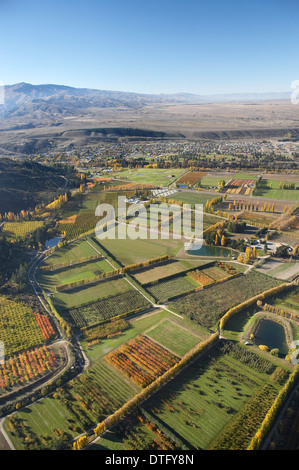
(142, 360)
(26, 366)
(104, 309)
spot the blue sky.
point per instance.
(152, 46)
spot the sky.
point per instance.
(152, 46)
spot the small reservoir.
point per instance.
(208, 250)
(271, 334)
(53, 242)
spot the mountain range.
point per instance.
(58, 101)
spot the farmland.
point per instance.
(240, 186)
(19, 329)
(130, 251)
(174, 337)
(166, 289)
(109, 307)
(139, 324)
(26, 366)
(275, 189)
(204, 407)
(171, 267)
(190, 197)
(90, 292)
(142, 360)
(21, 229)
(190, 178)
(207, 306)
(155, 176)
(70, 253)
(72, 409)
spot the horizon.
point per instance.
(143, 93)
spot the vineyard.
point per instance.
(207, 309)
(211, 274)
(19, 329)
(84, 222)
(142, 360)
(190, 178)
(104, 309)
(200, 277)
(105, 330)
(26, 366)
(44, 323)
(17, 230)
(165, 290)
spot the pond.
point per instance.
(271, 334)
(207, 250)
(53, 242)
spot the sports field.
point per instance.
(155, 176)
(271, 189)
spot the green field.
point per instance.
(89, 293)
(174, 337)
(190, 197)
(73, 273)
(70, 253)
(227, 388)
(264, 190)
(131, 251)
(84, 402)
(155, 176)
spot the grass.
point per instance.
(204, 398)
(73, 273)
(264, 190)
(155, 273)
(208, 181)
(174, 337)
(156, 176)
(289, 300)
(100, 382)
(70, 253)
(189, 197)
(131, 251)
(90, 293)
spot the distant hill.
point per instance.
(58, 101)
(25, 184)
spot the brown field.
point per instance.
(191, 177)
(154, 273)
(240, 186)
(69, 220)
(279, 205)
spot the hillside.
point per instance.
(25, 184)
